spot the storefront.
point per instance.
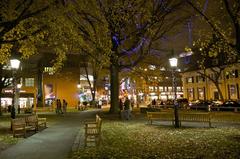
(153, 96)
(169, 95)
(25, 100)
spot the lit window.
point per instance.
(232, 90)
(161, 89)
(179, 89)
(169, 89)
(151, 88)
(165, 88)
(190, 92)
(190, 80)
(29, 82)
(200, 79)
(201, 93)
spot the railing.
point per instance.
(216, 108)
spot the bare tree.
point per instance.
(134, 26)
(225, 26)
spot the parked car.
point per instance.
(200, 104)
(229, 105)
(216, 103)
(183, 102)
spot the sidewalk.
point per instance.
(54, 142)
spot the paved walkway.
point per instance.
(55, 142)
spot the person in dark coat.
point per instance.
(19, 109)
(127, 108)
(120, 104)
(154, 102)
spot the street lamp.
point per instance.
(15, 63)
(78, 85)
(173, 63)
(19, 86)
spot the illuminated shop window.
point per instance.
(179, 89)
(151, 88)
(29, 82)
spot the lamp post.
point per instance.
(15, 63)
(106, 90)
(173, 63)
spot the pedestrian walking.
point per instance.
(64, 106)
(100, 104)
(19, 109)
(132, 103)
(121, 113)
(59, 107)
(79, 105)
(121, 104)
(127, 108)
(154, 102)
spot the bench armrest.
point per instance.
(90, 122)
(91, 128)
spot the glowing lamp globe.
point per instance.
(19, 86)
(15, 63)
(173, 62)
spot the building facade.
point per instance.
(198, 86)
(147, 91)
(25, 94)
(41, 89)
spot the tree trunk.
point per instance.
(114, 81)
(92, 88)
(219, 91)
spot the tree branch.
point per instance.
(206, 19)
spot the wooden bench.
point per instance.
(163, 116)
(195, 117)
(93, 131)
(226, 117)
(18, 127)
(34, 122)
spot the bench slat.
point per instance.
(189, 117)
